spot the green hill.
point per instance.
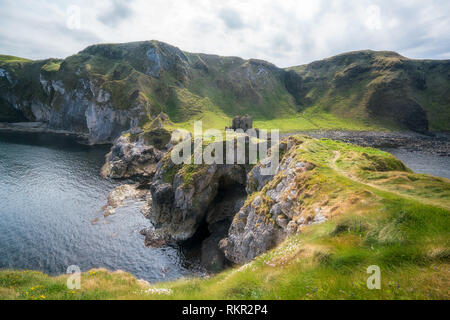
(378, 86)
(129, 84)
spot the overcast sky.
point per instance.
(285, 32)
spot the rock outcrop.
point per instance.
(265, 220)
(183, 200)
(244, 123)
(240, 212)
(191, 200)
(81, 105)
(130, 157)
(123, 193)
(136, 152)
(272, 214)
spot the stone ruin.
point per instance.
(244, 123)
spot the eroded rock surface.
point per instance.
(123, 193)
(243, 211)
(182, 199)
(131, 158)
(272, 214)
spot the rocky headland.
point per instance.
(235, 213)
(138, 95)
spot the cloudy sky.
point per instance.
(285, 32)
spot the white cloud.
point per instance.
(373, 18)
(288, 32)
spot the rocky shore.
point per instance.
(39, 127)
(437, 143)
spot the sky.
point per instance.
(284, 32)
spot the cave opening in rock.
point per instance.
(203, 247)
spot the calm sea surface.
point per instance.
(423, 162)
(50, 193)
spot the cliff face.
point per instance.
(106, 89)
(61, 95)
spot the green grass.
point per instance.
(315, 118)
(309, 120)
(8, 59)
(51, 66)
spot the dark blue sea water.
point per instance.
(423, 162)
(50, 192)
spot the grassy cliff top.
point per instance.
(8, 59)
(380, 213)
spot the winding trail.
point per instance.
(345, 174)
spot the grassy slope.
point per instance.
(6, 58)
(380, 213)
(345, 84)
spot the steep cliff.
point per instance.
(107, 89)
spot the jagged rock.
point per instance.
(119, 195)
(128, 158)
(250, 235)
(188, 197)
(196, 199)
(274, 213)
(156, 238)
(256, 179)
(181, 202)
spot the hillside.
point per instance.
(106, 89)
(378, 85)
(373, 211)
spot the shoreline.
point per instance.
(41, 127)
(438, 143)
